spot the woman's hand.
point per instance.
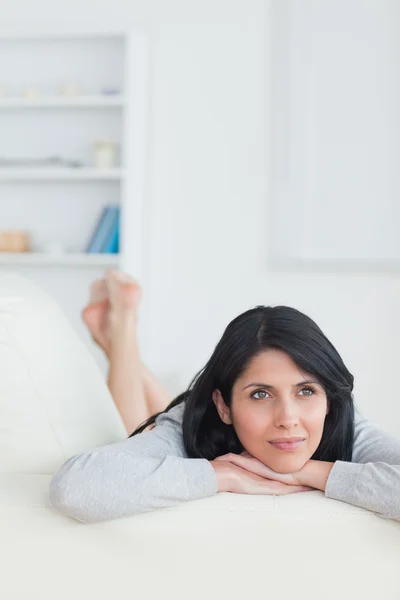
(248, 462)
(236, 479)
(314, 474)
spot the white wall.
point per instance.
(336, 67)
(208, 199)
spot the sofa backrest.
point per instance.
(54, 401)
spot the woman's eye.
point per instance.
(262, 394)
(308, 390)
(259, 392)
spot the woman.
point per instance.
(271, 412)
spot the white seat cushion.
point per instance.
(302, 546)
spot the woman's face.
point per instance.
(271, 401)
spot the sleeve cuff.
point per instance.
(342, 481)
(202, 479)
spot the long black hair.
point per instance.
(283, 328)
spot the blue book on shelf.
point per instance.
(115, 246)
(95, 235)
(102, 230)
(111, 243)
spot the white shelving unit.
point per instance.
(61, 102)
(62, 205)
(63, 174)
(45, 259)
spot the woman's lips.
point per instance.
(287, 445)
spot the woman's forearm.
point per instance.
(314, 474)
(125, 379)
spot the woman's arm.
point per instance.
(147, 472)
(143, 473)
(372, 480)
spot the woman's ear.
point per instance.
(223, 410)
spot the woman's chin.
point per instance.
(287, 464)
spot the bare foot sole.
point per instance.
(95, 317)
(98, 291)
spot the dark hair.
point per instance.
(254, 331)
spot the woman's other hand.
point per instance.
(313, 475)
(234, 478)
(248, 462)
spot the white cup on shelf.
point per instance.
(31, 92)
(69, 89)
(105, 153)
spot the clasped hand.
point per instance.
(245, 474)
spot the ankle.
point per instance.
(120, 321)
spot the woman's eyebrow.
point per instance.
(271, 387)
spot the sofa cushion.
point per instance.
(235, 546)
(54, 401)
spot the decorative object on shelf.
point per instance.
(54, 248)
(14, 241)
(52, 161)
(105, 237)
(70, 89)
(31, 92)
(110, 91)
(105, 153)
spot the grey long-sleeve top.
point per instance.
(151, 470)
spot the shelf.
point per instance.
(63, 102)
(45, 259)
(54, 34)
(58, 174)
(43, 196)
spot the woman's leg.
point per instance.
(111, 318)
(157, 396)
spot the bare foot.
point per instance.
(116, 296)
(95, 314)
(124, 292)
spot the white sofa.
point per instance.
(55, 403)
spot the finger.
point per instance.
(231, 457)
(253, 465)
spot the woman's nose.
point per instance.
(286, 415)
